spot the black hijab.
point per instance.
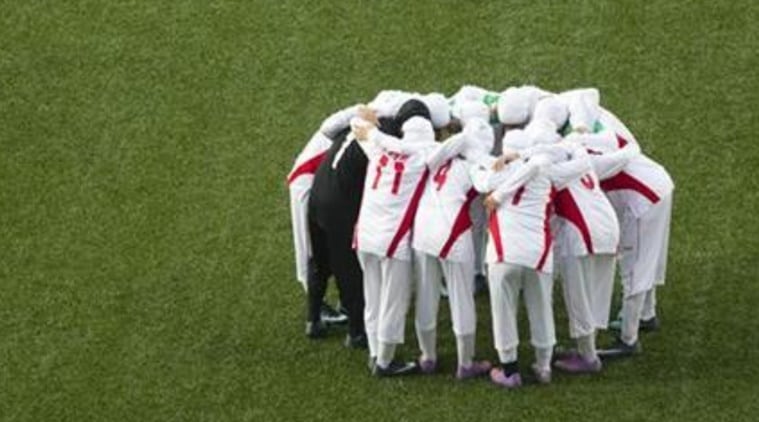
(409, 109)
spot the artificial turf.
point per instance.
(146, 268)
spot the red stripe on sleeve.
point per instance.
(625, 181)
(408, 217)
(307, 167)
(462, 223)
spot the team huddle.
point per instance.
(414, 196)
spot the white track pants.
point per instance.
(387, 291)
(458, 276)
(506, 282)
(644, 242)
(301, 241)
(587, 283)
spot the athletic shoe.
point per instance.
(396, 368)
(316, 330)
(561, 352)
(512, 381)
(577, 364)
(427, 366)
(356, 342)
(543, 376)
(480, 284)
(620, 349)
(645, 325)
(331, 316)
(476, 369)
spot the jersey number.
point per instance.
(398, 167)
(442, 174)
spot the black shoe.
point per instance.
(620, 349)
(356, 342)
(644, 326)
(396, 368)
(331, 316)
(316, 330)
(649, 325)
(480, 284)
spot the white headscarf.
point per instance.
(553, 110)
(516, 104)
(388, 102)
(479, 137)
(440, 110)
(418, 129)
(466, 110)
(542, 132)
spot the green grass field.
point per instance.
(146, 267)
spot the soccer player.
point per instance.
(460, 101)
(586, 231)
(641, 194)
(394, 185)
(520, 260)
(443, 245)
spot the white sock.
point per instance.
(543, 357)
(586, 345)
(385, 354)
(465, 349)
(649, 305)
(508, 355)
(631, 308)
(427, 343)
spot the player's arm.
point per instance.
(603, 141)
(446, 150)
(609, 164)
(563, 173)
(339, 121)
(519, 177)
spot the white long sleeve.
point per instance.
(604, 141)
(446, 150)
(519, 177)
(338, 121)
(564, 173)
(608, 165)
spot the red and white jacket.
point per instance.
(585, 221)
(519, 229)
(630, 179)
(442, 227)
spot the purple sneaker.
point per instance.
(577, 364)
(542, 375)
(427, 366)
(511, 382)
(476, 369)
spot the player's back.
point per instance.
(392, 190)
(443, 214)
(588, 223)
(519, 228)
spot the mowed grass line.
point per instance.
(146, 261)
